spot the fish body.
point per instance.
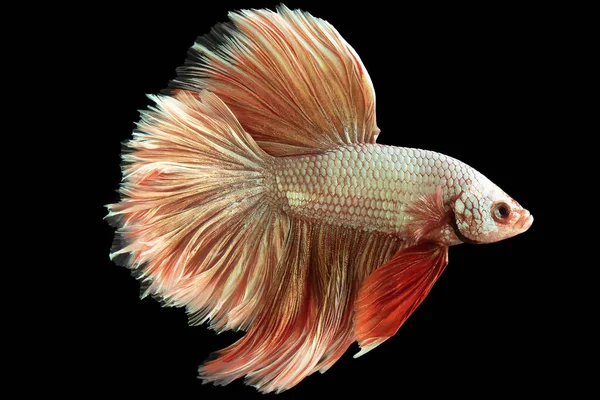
(374, 187)
(254, 194)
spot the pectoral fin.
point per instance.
(394, 290)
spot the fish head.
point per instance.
(484, 213)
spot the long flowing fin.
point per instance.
(291, 80)
(193, 222)
(308, 322)
(394, 291)
(198, 226)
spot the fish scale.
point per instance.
(366, 186)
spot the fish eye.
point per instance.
(501, 211)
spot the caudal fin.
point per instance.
(192, 221)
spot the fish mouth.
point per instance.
(525, 221)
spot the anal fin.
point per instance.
(393, 291)
(306, 320)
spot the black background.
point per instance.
(471, 83)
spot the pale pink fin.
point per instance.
(193, 222)
(307, 322)
(394, 290)
(428, 214)
(196, 225)
(291, 80)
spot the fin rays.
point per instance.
(308, 322)
(292, 81)
(394, 291)
(186, 225)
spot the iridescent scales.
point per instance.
(367, 186)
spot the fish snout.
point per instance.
(524, 221)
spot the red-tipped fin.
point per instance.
(393, 291)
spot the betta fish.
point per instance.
(255, 195)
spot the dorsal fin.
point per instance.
(290, 79)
